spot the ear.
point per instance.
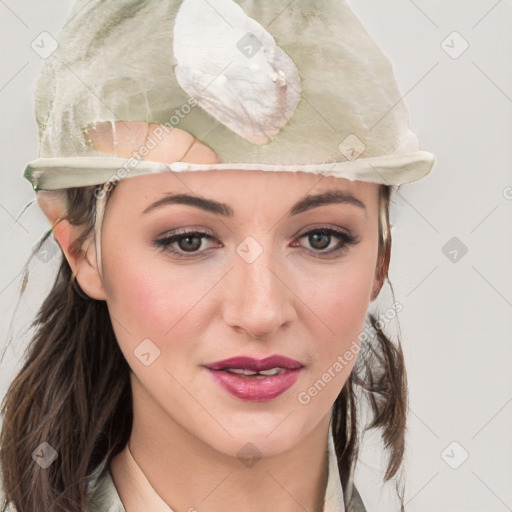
(381, 272)
(82, 260)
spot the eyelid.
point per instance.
(327, 227)
(345, 240)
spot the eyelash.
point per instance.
(346, 241)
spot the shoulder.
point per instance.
(102, 494)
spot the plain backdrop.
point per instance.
(452, 237)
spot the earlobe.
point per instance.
(82, 260)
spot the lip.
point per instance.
(255, 388)
(251, 363)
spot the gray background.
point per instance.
(456, 321)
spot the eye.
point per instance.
(189, 242)
(321, 238)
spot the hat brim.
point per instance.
(66, 172)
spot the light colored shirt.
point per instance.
(139, 495)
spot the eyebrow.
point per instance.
(303, 205)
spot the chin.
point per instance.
(263, 437)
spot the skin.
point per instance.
(292, 301)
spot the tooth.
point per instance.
(235, 370)
(272, 371)
(245, 371)
(241, 371)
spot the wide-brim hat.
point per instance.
(267, 86)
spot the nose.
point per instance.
(259, 297)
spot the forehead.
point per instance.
(233, 192)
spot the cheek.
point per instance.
(342, 309)
(351, 298)
(347, 289)
(342, 301)
(151, 299)
(135, 296)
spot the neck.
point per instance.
(189, 474)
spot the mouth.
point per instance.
(252, 379)
(250, 364)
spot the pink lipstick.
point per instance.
(255, 379)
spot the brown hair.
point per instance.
(74, 392)
(379, 376)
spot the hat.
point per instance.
(299, 87)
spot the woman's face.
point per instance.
(244, 271)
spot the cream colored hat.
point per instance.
(267, 85)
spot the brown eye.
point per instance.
(188, 243)
(320, 239)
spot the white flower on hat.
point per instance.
(234, 69)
